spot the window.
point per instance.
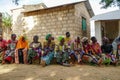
(84, 25)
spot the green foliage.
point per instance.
(16, 2)
(6, 20)
(109, 3)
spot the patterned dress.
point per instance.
(34, 51)
(62, 54)
(78, 50)
(108, 55)
(3, 46)
(10, 52)
(48, 53)
(88, 55)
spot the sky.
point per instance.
(7, 5)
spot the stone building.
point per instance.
(57, 20)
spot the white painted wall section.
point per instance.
(98, 33)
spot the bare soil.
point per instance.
(57, 72)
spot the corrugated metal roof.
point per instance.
(114, 15)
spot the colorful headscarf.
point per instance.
(84, 39)
(47, 36)
(22, 44)
(60, 38)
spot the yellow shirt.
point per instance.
(67, 40)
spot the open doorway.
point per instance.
(110, 29)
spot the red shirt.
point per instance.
(96, 48)
(87, 48)
(3, 44)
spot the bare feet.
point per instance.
(43, 63)
(115, 62)
(3, 62)
(100, 62)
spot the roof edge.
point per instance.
(57, 6)
(89, 8)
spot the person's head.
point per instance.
(61, 39)
(93, 39)
(78, 39)
(13, 36)
(1, 38)
(67, 34)
(85, 40)
(23, 38)
(35, 38)
(48, 37)
(105, 40)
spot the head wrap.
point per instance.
(84, 39)
(60, 38)
(47, 36)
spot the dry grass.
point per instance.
(56, 72)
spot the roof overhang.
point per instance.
(114, 15)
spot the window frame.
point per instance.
(84, 26)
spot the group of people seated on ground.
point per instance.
(66, 52)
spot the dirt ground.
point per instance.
(57, 72)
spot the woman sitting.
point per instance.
(96, 48)
(88, 55)
(78, 49)
(9, 53)
(35, 50)
(62, 54)
(48, 48)
(3, 47)
(21, 51)
(107, 50)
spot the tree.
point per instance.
(6, 20)
(109, 3)
(15, 1)
(6, 25)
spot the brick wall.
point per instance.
(81, 11)
(57, 21)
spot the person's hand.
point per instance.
(16, 50)
(24, 50)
